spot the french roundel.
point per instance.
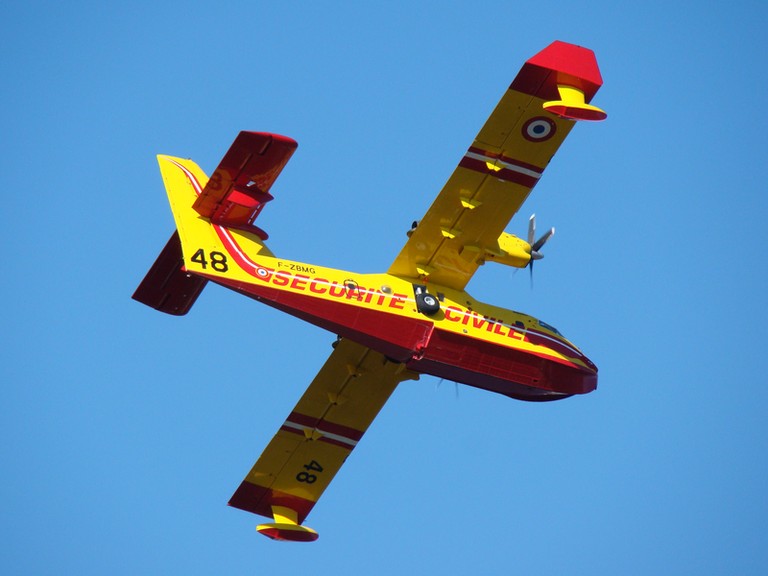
(263, 273)
(539, 129)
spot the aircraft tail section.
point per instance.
(214, 220)
(239, 187)
(168, 286)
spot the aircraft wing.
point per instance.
(239, 187)
(316, 438)
(507, 158)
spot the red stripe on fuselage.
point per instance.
(424, 348)
(519, 374)
(395, 336)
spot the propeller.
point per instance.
(538, 244)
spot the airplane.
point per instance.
(415, 318)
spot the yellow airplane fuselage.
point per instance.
(459, 339)
(465, 340)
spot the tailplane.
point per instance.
(207, 213)
(167, 287)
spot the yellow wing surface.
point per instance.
(464, 227)
(316, 438)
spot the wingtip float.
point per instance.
(286, 527)
(575, 81)
(417, 317)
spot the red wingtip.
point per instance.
(570, 59)
(559, 63)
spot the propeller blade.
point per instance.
(543, 240)
(531, 228)
(530, 268)
(537, 245)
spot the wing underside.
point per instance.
(318, 435)
(462, 228)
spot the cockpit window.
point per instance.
(549, 327)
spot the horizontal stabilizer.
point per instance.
(239, 187)
(167, 286)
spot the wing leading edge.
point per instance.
(464, 227)
(316, 438)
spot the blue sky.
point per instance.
(125, 431)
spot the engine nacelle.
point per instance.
(512, 251)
